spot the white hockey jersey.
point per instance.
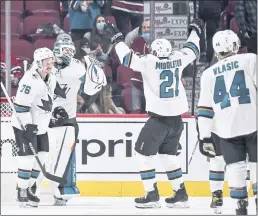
(76, 77)
(227, 103)
(34, 100)
(164, 92)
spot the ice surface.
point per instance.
(117, 206)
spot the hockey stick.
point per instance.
(194, 65)
(195, 147)
(42, 167)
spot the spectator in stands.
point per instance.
(82, 15)
(125, 11)
(82, 49)
(16, 72)
(141, 43)
(141, 31)
(209, 11)
(246, 18)
(99, 44)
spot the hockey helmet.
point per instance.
(161, 48)
(225, 42)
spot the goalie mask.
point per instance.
(64, 50)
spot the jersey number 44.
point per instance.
(166, 89)
(238, 89)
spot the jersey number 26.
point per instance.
(237, 89)
(166, 91)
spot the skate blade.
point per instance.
(178, 205)
(148, 205)
(33, 204)
(23, 204)
(218, 210)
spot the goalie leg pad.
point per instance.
(63, 160)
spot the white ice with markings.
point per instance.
(118, 206)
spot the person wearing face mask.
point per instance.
(99, 44)
(141, 43)
(142, 31)
(81, 15)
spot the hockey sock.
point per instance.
(173, 169)
(253, 177)
(36, 169)
(236, 173)
(24, 170)
(216, 175)
(147, 171)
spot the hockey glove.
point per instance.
(30, 132)
(207, 148)
(197, 25)
(113, 33)
(60, 113)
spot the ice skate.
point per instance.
(22, 197)
(179, 200)
(217, 201)
(33, 199)
(150, 200)
(242, 207)
(59, 201)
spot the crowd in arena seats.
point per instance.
(36, 24)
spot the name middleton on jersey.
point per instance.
(169, 64)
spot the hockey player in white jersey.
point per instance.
(228, 97)
(73, 77)
(165, 102)
(33, 104)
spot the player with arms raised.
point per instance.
(166, 101)
(33, 105)
(228, 100)
(73, 78)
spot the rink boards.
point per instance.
(105, 163)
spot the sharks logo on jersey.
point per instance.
(47, 104)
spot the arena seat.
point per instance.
(16, 8)
(20, 48)
(43, 5)
(16, 25)
(49, 43)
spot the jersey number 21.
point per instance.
(237, 89)
(166, 91)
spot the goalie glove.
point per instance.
(113, 33)
(207, 148)
(197, 25)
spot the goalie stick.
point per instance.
(42, 167)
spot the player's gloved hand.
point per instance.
(60, 113)
(113, 33)
(30, 132)
(206, 147)
(197, 25)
